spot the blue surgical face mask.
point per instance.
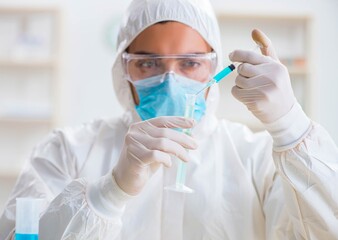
(164, 95)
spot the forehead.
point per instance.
(169, 38)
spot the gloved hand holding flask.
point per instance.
(147, 146)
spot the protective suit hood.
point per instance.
(141, 14)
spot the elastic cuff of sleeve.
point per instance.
(289, 130)
(106, 198)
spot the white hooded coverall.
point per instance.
(247, 186)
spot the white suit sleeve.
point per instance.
(306, 160)
(75, 209)
(85, 211)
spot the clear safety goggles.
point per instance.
(198, 67)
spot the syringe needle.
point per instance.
(212, 81)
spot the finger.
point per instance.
(264, 43)
(248, 57)
(168, 146)
(159, 157)
(160, 144)
(247, 96)
(248, 70)
(253, 82)
(176, 136)
(150, 128)
(148, 157)
(171, 122)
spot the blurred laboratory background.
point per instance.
(56, 58)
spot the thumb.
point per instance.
(264, 43)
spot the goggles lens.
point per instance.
(198, 67)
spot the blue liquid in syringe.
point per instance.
(219, 76)
(225, 72)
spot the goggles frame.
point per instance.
(127, 57)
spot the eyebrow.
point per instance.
(144, 52)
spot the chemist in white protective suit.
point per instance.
(106, 179)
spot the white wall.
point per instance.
(87, 61)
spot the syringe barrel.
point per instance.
(226, 71)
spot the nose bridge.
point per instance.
(169, 75)
(170, 65)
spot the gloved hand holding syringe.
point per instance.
(260, 40)
(179, 185)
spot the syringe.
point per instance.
(219, 76)
(262, 42)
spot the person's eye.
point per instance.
(190, 63)
(148, 63)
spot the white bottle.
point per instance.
(27, 218)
